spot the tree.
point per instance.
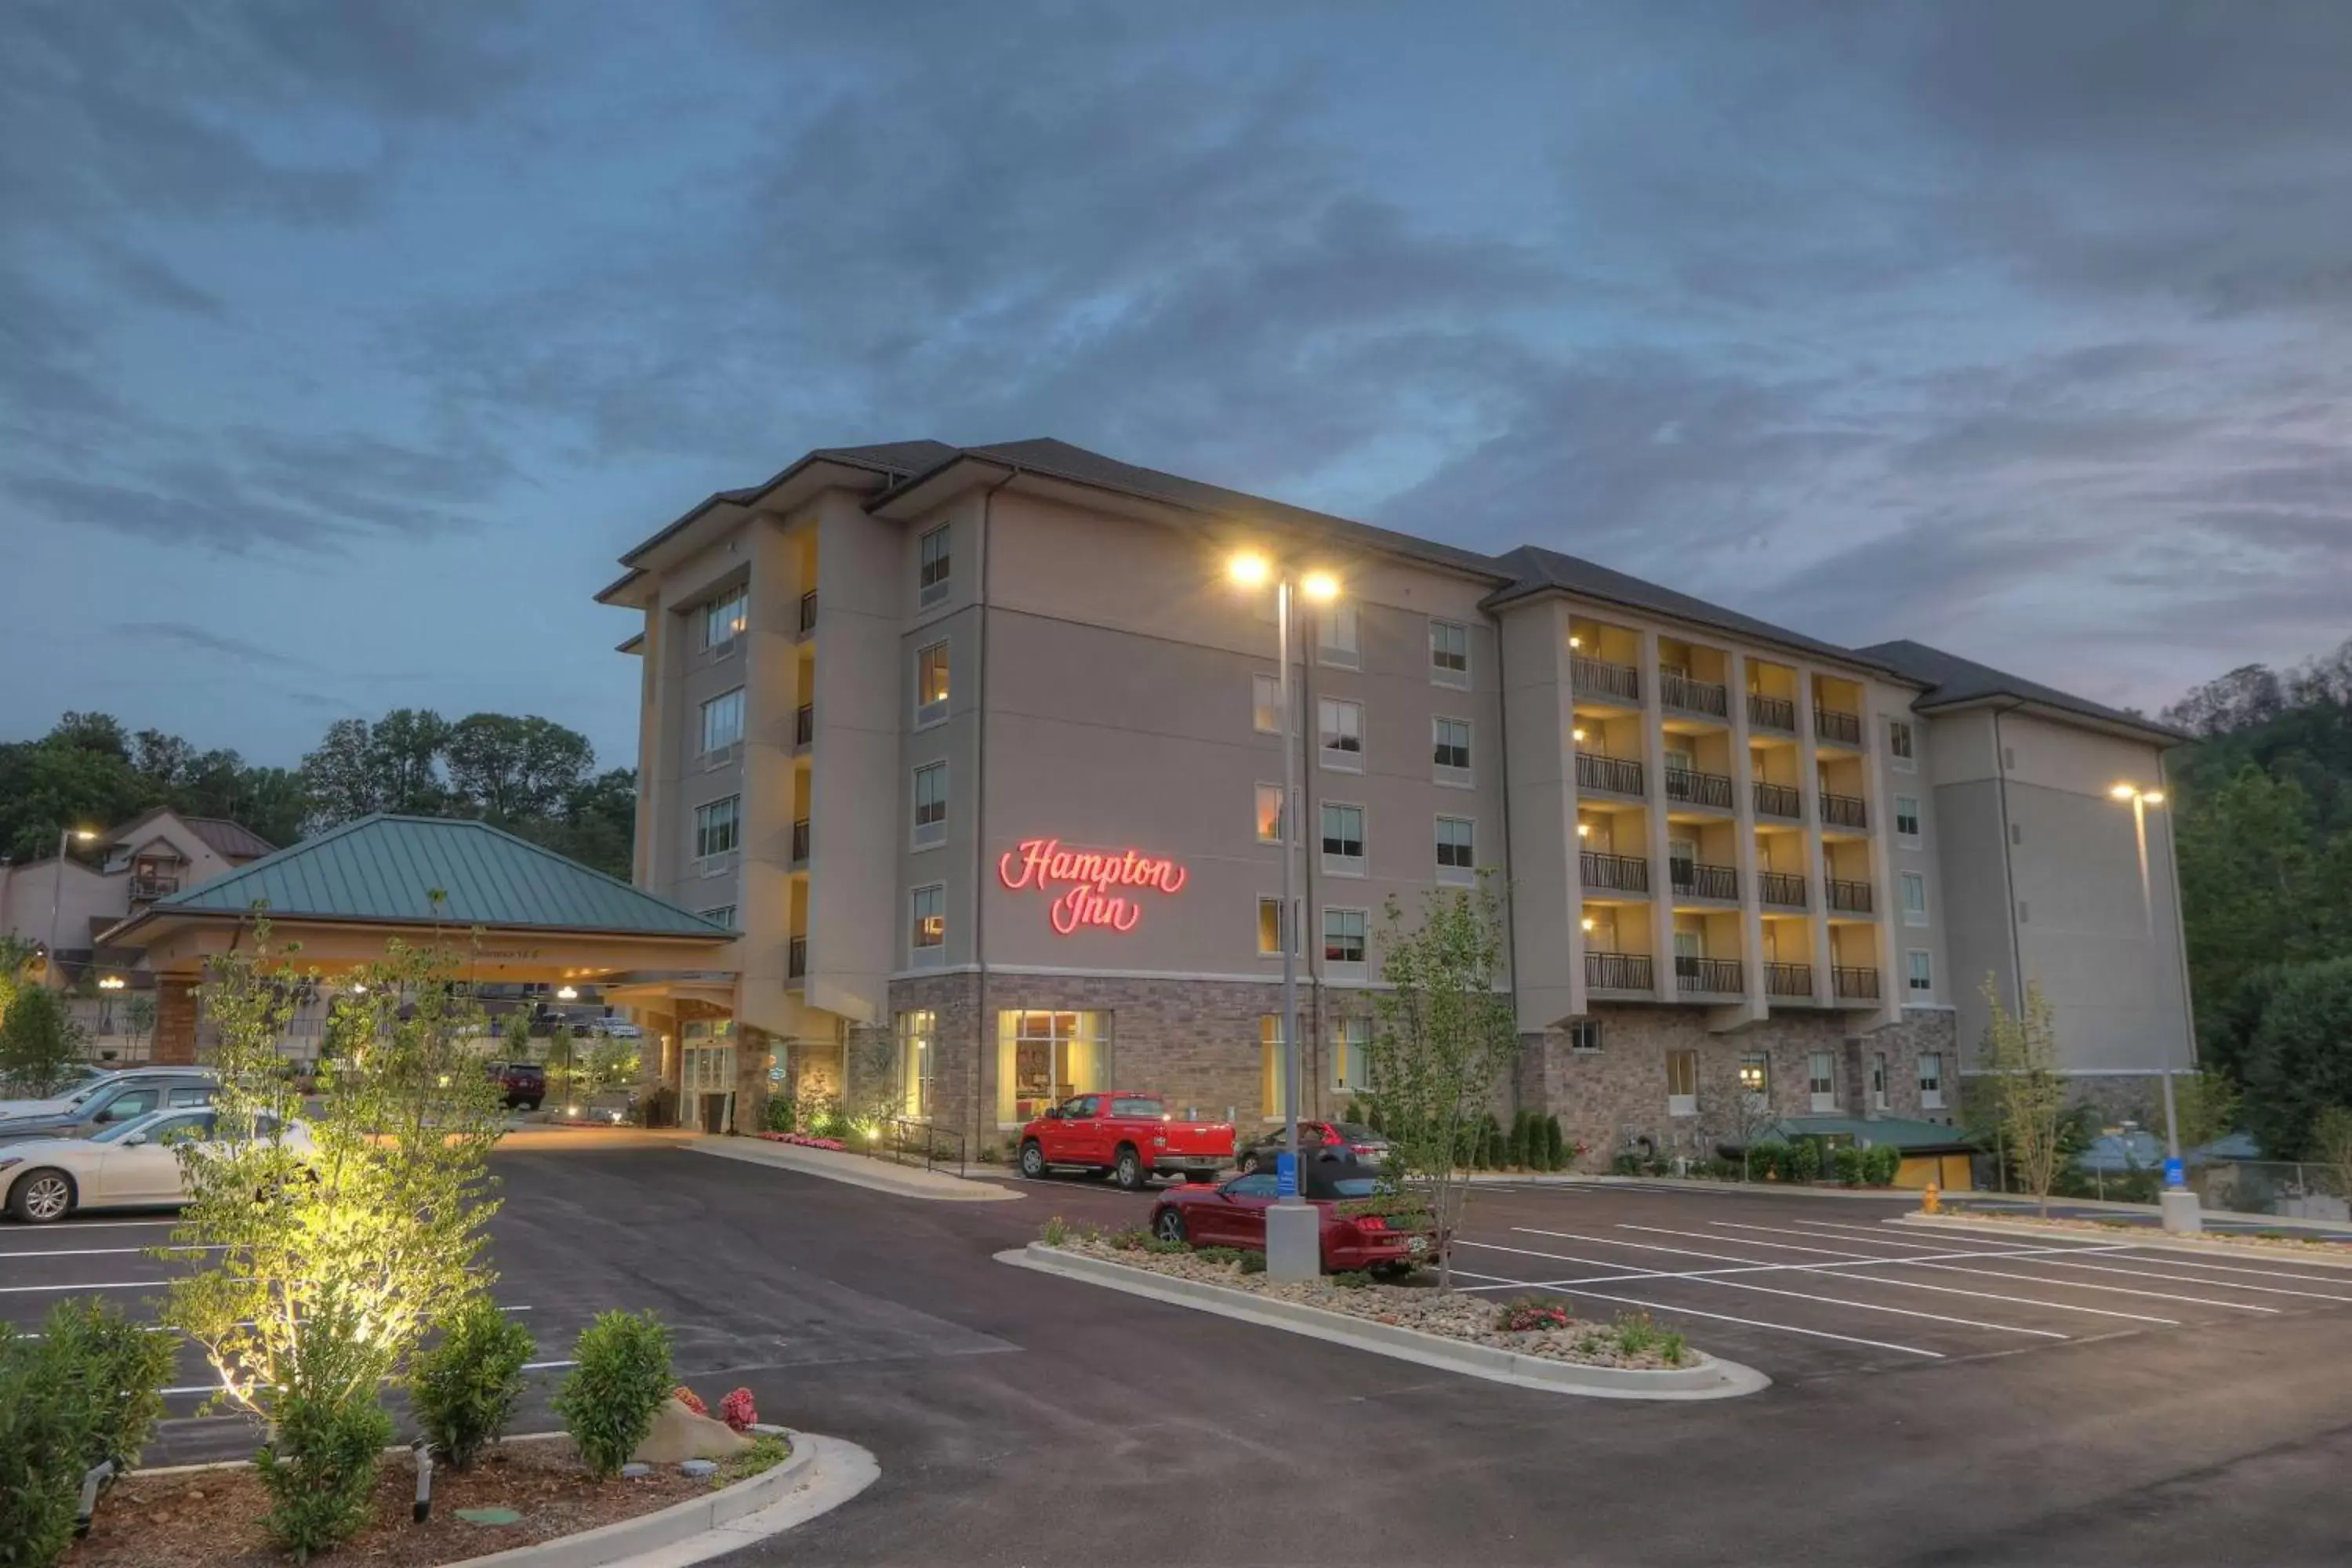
(2299, 1061)
(510, 769)
(1739, 1115)
(2332, 1144)
(138, 1020)
(2029, 1097)
(2205, 1104)
(1442, 1040)
(39, 1041)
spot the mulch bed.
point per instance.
(214, 1515)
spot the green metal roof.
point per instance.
(386, 868)
(1900, 1130)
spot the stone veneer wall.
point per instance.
(1607, 1099)
(2117, 1096)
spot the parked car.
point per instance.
(1130, 1137)
(74, 1078)
(525, 1083)
(116, 1098)
(1314, 1137)
(1233, 1214)
(124, 1164)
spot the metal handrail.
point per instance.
(1599, 677)
(1701, 880)
(800, 841)
(1782, 890)
(1787, 979)
(1853, 981)
(804, 724)
(1772, 712)
(1835, 724)
(1619, 972)
(1699, 789)
(1677, 690)
(1779, 800)
(1626, 873)
(1851, 898)
(1843, 811)
(1713, 975)
(1619, 775)
(902, 1138)
(808, 611)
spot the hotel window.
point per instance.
(722, 721)
(931, 683)
(927, 933)
(1914, 898)
(1269, 928)
(1351, 1055)
(1931, 1080)
(1821, 1081)
(724, 618)
(718, 827)
(1454, 856)
(1044, 1058)
(1922, 972)
(1337, 625)
(917, 1035)
(1450, 750)
(1449, 653)
(1265, 704)
(1273, 1076)
(1898, 746)
(1342, 727)
(1755, 1079)
(1343, 840)
(1343, 938)
(1682, 1083)
(931, 577)
(1906, 818)
(1584, 1034)
(1878, 1081)
(1270, 822)
(930, 804)
(723, 915)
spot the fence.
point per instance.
(2289, 1188)
(904, 1140)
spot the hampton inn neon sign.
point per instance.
(1081, 882)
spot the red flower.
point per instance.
(737, 1410)
(688, 1398)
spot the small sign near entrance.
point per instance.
(2175, 1172)
(1285, 1175)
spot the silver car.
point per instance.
(124, 1165)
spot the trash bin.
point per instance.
(714, 1113)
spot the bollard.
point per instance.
(1931, 1201)
(424, 1451)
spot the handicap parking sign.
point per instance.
(1285, 1175)
(2174, 1173)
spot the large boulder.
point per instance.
(679, 1433)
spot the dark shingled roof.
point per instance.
(1952, 680)
(230, 840)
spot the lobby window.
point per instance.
(1343, 840)
(1270, 927)
(1449, 653)
(1044, 1057)
(1337, 626)
(1351, 1055)
(1344, 938)
(1584, 1034)
(931, 575)
(1450, 748)
(1272, 1075)
(926, 923)
(931, 683)
(1682, 1083)
(723, 620)
(1265, 704)
(1755, 1079)
(723, 915)
(1922, 972)
(1821, 1081)
(1899, 744)
(1931, 1080)
(718, 827)
(1341, 725)
(1914, 898)
(1270, 822)
(1906, 819)
(722, 721)
(930, 804)
(1454, 855)
(918, 1036)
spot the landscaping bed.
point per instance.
(213, 1516)
(2109, 1229)
(1549, 1328)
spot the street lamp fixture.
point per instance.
(566, 993)
(112, 982)
(57, 888)
(2178, 1200)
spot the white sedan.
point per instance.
(129, 1164)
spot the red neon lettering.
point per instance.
(1087, 876)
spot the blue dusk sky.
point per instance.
(342, 346)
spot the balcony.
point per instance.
(1780, 889)
(1617, 972)
(1788, 980)
(1783, 801)
(1709, 976)
(1835, 725)
(1692, 788)
(1611, 776)
(1843, 811)
(808, 612)
(1854, 985)
(1849, 898)
(801, 842)
(1623, 873)
(803, 724)
(1697, 880)
(1609, 682)
(796, 958)
(1679, 690)
(146, 888)
(1771, 712)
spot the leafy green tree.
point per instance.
(511, 769)
(2028, 1095)
(2299, 1061)
(39, 1041)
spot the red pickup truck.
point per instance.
(1130, 1136)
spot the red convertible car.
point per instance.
(1233, 1214)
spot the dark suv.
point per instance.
(102, 1101)
(525, 1083)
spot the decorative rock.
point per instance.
(679, 1433)
(632, 1471)
(699, 1468)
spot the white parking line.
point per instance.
(2172, 1261)
(215, 1387)
(107, 1251)
(97, 1225)
(107, 1285)
(1944, 1248)
(1718, 1317)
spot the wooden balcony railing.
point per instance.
(1852, 982)
(1697, 880)
(1843, 811)
(1783, 801)
(1680, 691)
(1850, 898)
(1697, 788)
(1834, 724)
(1787, 980)
(1616, 775)
(1599, 677)
(1709, 976)
(1781, 890)
(1617, 972)
(1624, 873)
(1771, 712)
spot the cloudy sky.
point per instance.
(342, 347)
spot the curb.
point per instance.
(1692, 1184)
(1712, 1379)
(850, 1170)
(2157, 1240)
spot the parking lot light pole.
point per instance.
(2176, 1202)
(56, 894)
(1293, 1230)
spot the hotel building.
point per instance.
(978, 750)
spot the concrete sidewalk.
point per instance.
(857, 1170)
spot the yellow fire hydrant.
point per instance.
(1931, 1200)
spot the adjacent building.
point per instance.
(978, 750)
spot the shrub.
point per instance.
(767, 1451)
(1880, 1164)
(1627, 1163)
(1530, 1312)
(1555, 1145)
(1801, 1161)
(464, 1389)
(1134, 1238)
(331, 1446)
(780, 1114)
(690, 1399)
(1673, 1349)
(1166, 1247)
(1218, 1254)
(1636, 1334)
(737, 1410)
(1491, 1142)
(608, 1402)
(1055, 1232)
(43, 1430)
(1351, 1279)
(1846, 1161)
(1764, 1160)
(1514, 1143)
(116, 1369)
(1253, 1260)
